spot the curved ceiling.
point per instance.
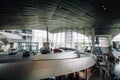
(60, 15)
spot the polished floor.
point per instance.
(5, 58)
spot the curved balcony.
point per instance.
(50, 65)
(46, 66)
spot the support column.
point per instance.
(109, 40)
(65, 38)
(37, 47)
(93, 42)
(84, 36)
(77, 39)
(71, 38)
(56, 40)
(46, 44)
(11, 45)
(47, 35)
(30, 43)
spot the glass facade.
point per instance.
(61, 39)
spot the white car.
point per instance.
(12, 51)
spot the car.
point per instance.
(57, 50)
(33, 52)
(26, 54)
(45, 51)
(67, 49)
(12, 51)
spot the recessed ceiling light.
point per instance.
(105, 8)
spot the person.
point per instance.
(110, 55)
(51, 49)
